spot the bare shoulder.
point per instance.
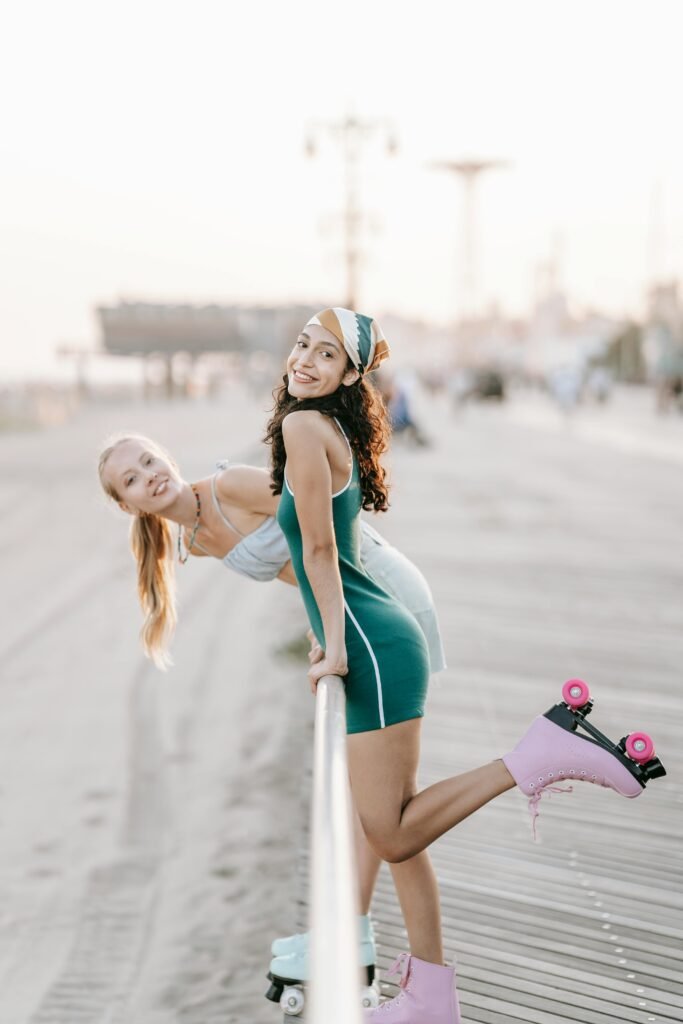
(246, 487)
(304, 419)
(306, 426)
(231, 480)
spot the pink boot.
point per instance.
(427, 995)
(554, 751)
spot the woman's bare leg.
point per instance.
(368, 864)
(418, 893)
(382, 767)
(414, 878)
(400, 823)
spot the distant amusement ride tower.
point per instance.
(468, 171)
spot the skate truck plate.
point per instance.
(635, 751)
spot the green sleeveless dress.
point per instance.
(386, 649)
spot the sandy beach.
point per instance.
(149, 820)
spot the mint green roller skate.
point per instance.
(289, 970)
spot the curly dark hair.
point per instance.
(361, 412)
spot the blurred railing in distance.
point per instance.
(335, 982)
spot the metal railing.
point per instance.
(335, 982)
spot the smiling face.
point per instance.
(318, 364)
(141, 478)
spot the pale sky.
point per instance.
(154, 151)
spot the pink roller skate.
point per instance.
(553, 751)
(427, 995)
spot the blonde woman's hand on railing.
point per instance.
(327, 666)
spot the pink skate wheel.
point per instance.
(639, 747)
(575, 693)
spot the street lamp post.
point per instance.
(351, 133)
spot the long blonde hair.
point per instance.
(152, 545)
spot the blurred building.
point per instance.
(664, 306)
(193, 341)
(145, 328)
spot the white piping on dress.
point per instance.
(346, 485)
(378, 678)
(348, 445)
(348, 482)
(336, 493)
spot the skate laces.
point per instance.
(401, 965)
(536, 799)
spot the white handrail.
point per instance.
(335, 982)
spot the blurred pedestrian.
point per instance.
(398, 391)
(599, 384)
(565, 387)
(664, 339)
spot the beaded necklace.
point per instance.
(194, 530)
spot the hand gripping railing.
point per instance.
(335, 983)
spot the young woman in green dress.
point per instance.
(328, 432)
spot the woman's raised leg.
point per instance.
(398, 822)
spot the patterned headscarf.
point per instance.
(360, 335)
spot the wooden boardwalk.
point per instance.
(150, 822)
(550, 557)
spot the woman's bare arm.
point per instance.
(247, 487)
(309, 474)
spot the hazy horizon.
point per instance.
(156, 154)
